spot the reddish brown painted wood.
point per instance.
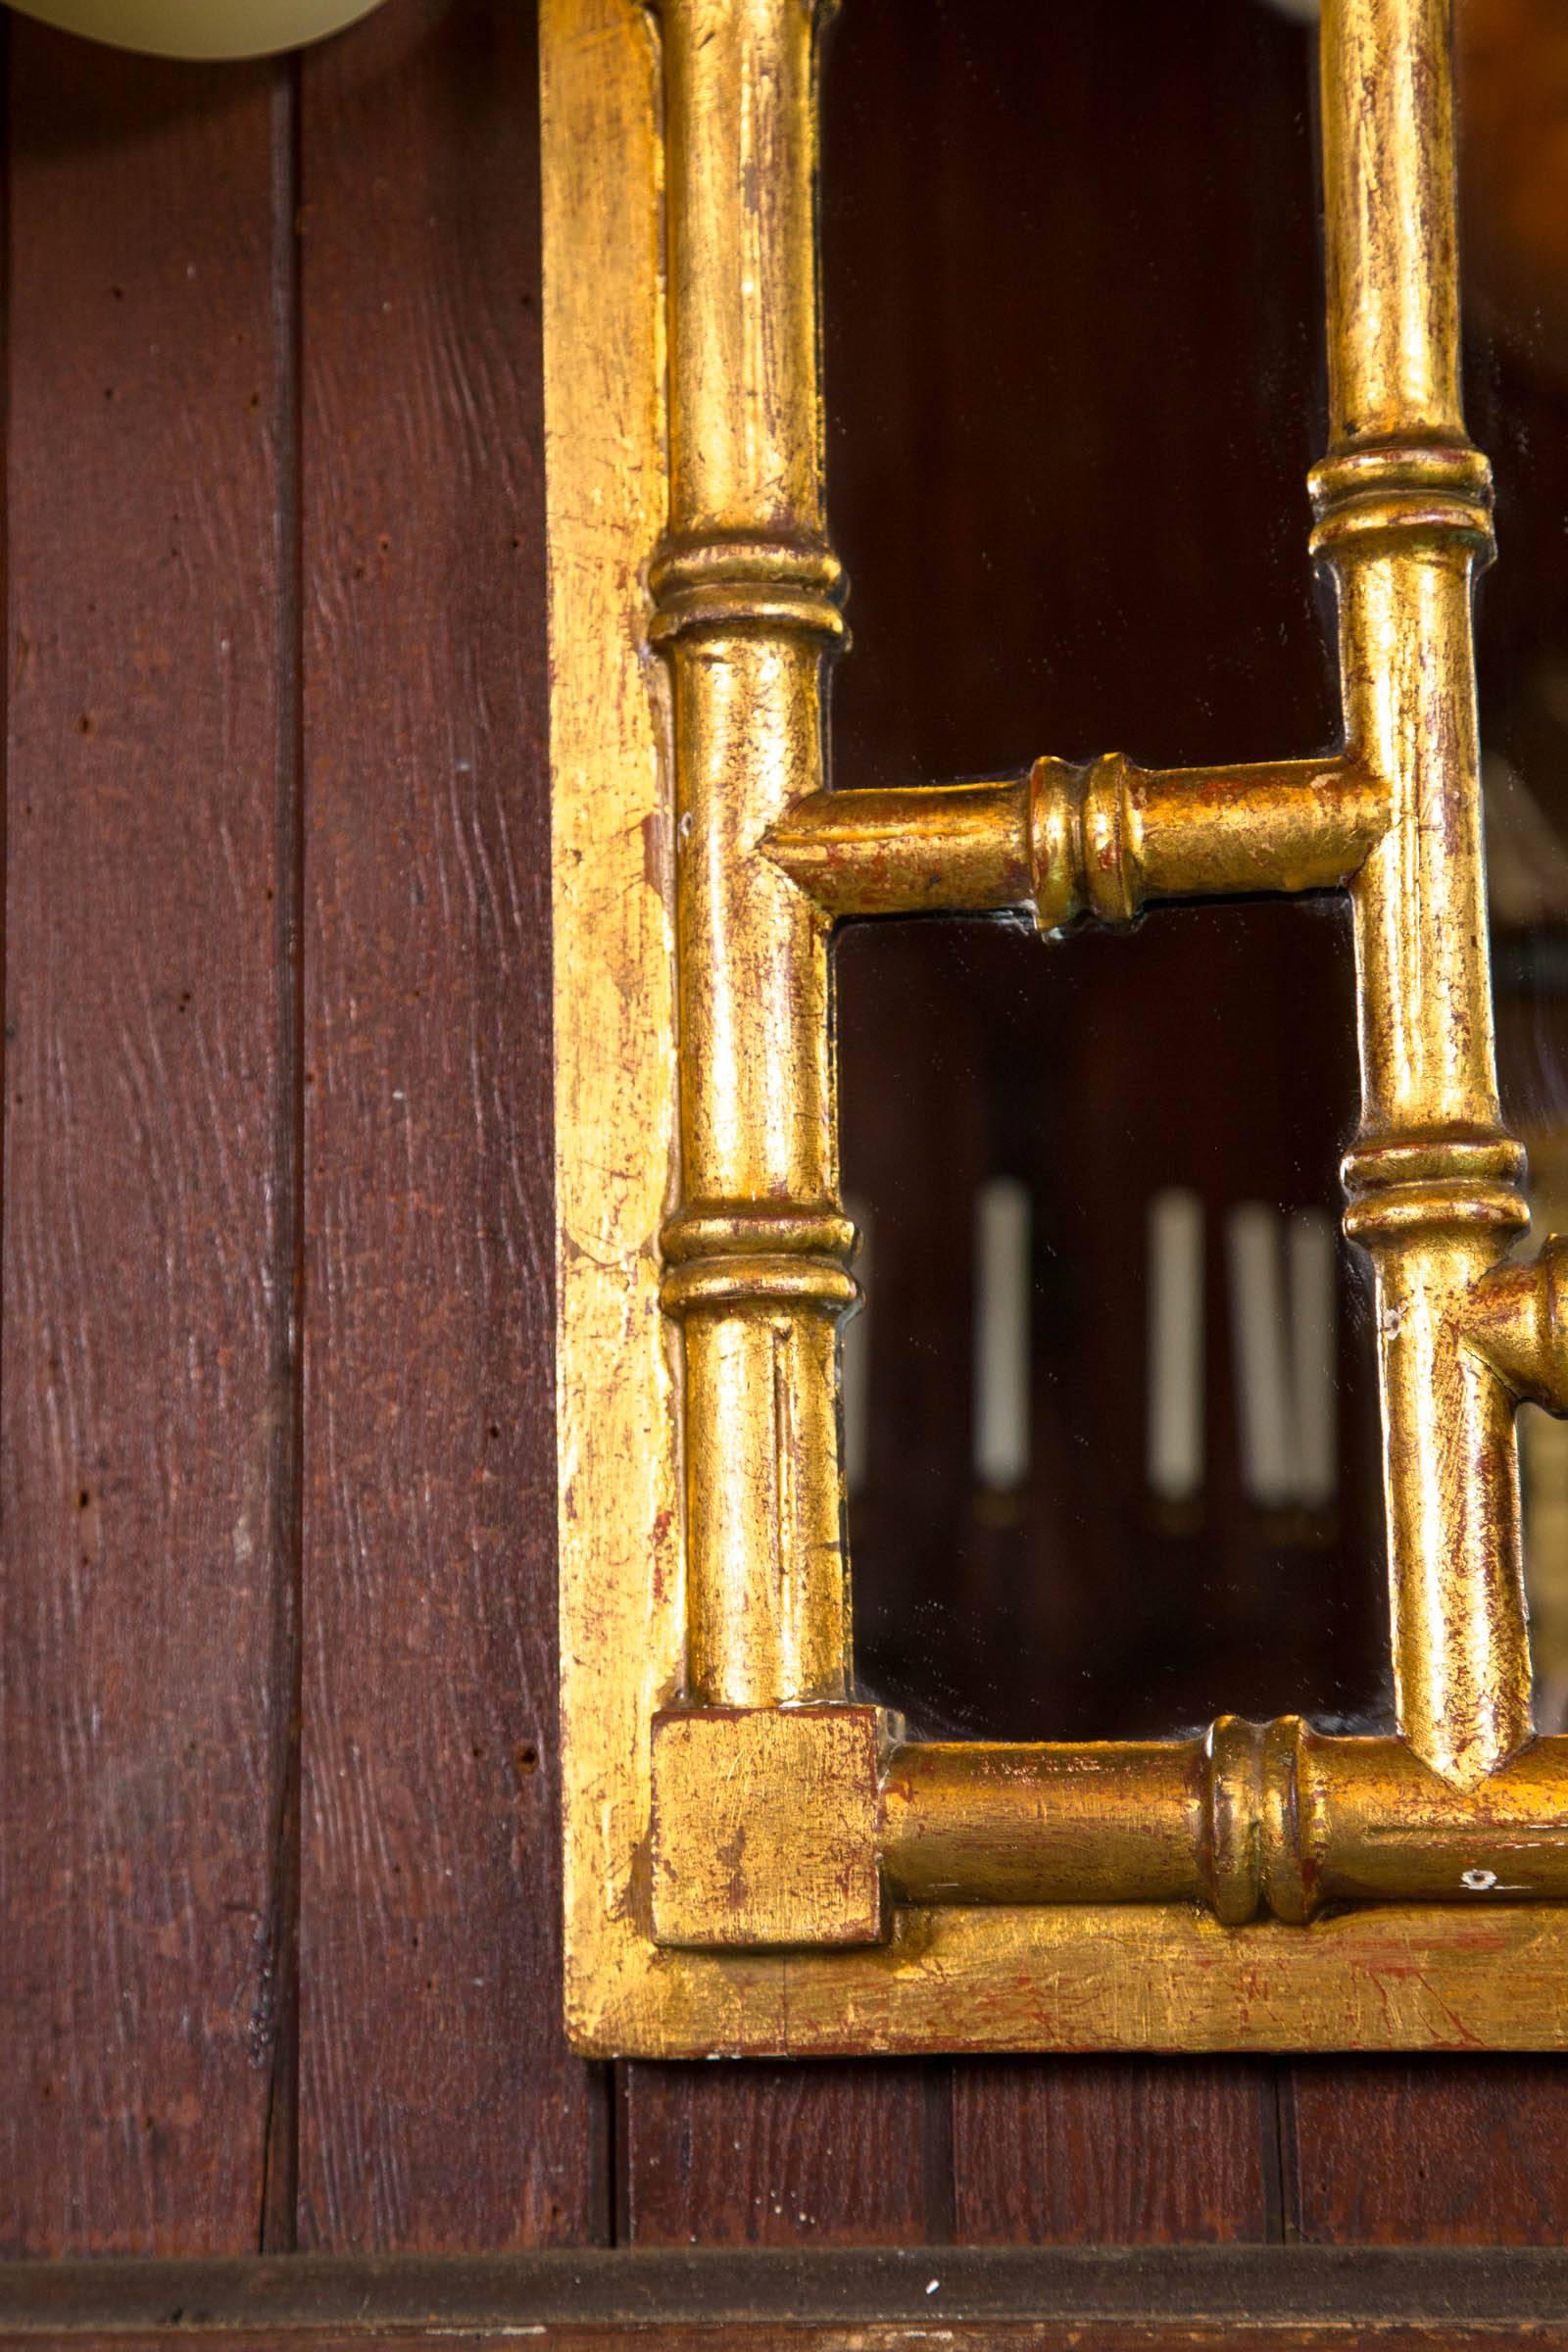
(439, 2105)
(1110, 2150)
(763, 2155)
(148, 1202)
(1468, 2151)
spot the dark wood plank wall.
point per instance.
(438, 2107)
(148, 1465)
(276, 1840)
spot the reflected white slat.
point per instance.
(1175, 1433)
(1312, 1259)
(1262, 1360)
(855, 1357)
(1002, 1333)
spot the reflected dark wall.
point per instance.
(1072, 295)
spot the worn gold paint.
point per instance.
(723, 1795)
(1403, 507)
(1252, 1818)
(1098, 842)
(764, 1826)
(745, 587)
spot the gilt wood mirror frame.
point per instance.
(756, 1861)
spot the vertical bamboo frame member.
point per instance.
(1403, 503)
(747, 593)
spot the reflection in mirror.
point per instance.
(1513, 95)
(1110, 1417)
(1119, 1470)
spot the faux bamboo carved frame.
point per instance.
(755, 1862)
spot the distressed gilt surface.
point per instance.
(995, 1976)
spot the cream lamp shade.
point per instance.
(200, 28)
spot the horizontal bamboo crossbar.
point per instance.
(1098, 841)
(1249, 1818)
(776, 1827)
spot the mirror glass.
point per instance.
(1110, 1414)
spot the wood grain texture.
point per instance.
(148, 1245)
(439, 2107)
(1468, 2151)
(1113, 2151)
(764, 2155)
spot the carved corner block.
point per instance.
(766, 1826)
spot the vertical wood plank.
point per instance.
(1433, 2151)
(439, 2106)
(1114, 2152)
(148, 1247)
(767, 2155)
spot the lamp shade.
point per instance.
(200, 28)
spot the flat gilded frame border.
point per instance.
(1082, 1977)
